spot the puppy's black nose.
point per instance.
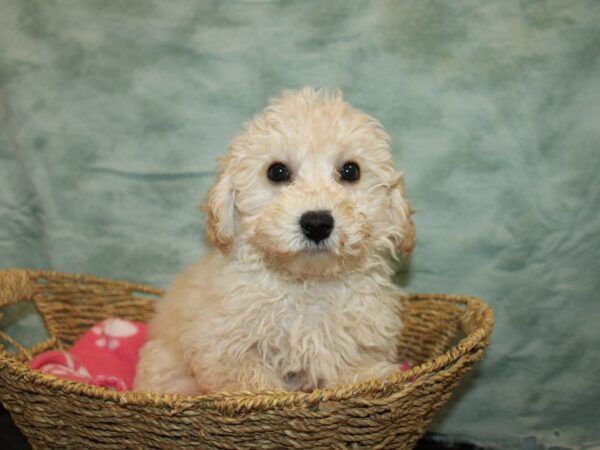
(316, 225)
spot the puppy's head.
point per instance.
(310, 184)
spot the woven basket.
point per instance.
(380, 413)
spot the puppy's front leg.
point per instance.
(161, 370)
(371, 370)
(246, 374)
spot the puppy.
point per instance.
(305, 219)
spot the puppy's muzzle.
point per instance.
(316, 225)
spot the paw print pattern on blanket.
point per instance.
(68, 368)
(111, 331)
(106, 355)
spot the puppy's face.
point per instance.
(310, 184)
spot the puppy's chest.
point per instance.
(297, 318)
(311, 321)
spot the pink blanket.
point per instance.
(106, 355)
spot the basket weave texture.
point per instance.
(380, 413)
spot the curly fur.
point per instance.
(266, 308)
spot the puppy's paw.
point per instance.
(379, 370)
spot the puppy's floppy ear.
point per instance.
(220, 211)
(401, 212)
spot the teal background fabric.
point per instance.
(112, 114)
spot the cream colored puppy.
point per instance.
(297, 293)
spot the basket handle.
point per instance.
(22, 349)
(15, 286)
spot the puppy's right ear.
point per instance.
(220, 211)
(401, 212)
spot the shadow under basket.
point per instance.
(443, 336)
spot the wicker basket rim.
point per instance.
(255, 400)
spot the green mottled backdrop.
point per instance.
(112, 114)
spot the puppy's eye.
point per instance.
(278, 172)
(350, 172)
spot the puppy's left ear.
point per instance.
(401, 212)
(220, 211)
